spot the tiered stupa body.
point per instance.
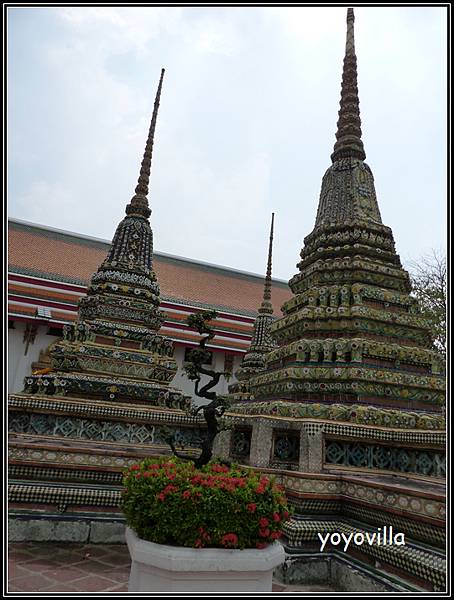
(261, 343)
(348, 411)
(106, 399)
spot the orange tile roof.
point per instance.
(21, 309)
(63, 256)
(24, 290)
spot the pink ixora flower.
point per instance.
(251, 507)
(208, 483)
(276, 517)
(206, 536)
(220, 469)
(170, 488)
(264, 522)
(229, 540)
(264, 533)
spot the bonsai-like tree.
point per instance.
(429, 280)
(195, 368)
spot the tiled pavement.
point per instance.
(47, 567)
(39, 567)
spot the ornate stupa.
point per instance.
(348, 411)
(106, 399)
(114, 351)
(352, 334)
(261, 343)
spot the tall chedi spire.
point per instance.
(114, 350)
(130, 259)
(261, 343)
(351, 334)
(266, 307)
(349, 144)
(139, 203)
(348, 190)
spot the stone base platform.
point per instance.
(78, 529)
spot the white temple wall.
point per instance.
(19, 363)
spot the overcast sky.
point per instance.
(246, 124)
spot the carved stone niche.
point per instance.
(240, 444)
(285, 449)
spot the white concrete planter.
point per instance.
(159, 568)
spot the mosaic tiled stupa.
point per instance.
(349, 408)
(106, 396)
(352, 333)
(352, 337)
(114, 350)
(261, 343)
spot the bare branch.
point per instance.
(429, 281)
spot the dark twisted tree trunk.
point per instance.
(216, 407)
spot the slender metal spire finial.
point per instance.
(139, 203)
(350, 42)
(266, 305)
(348, 136)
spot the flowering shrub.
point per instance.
(169, 501)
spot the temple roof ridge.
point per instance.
(104, 242)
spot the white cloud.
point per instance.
(52, 204)
(218, 213)
(308, 25)
(213, 35)
(121, 28)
